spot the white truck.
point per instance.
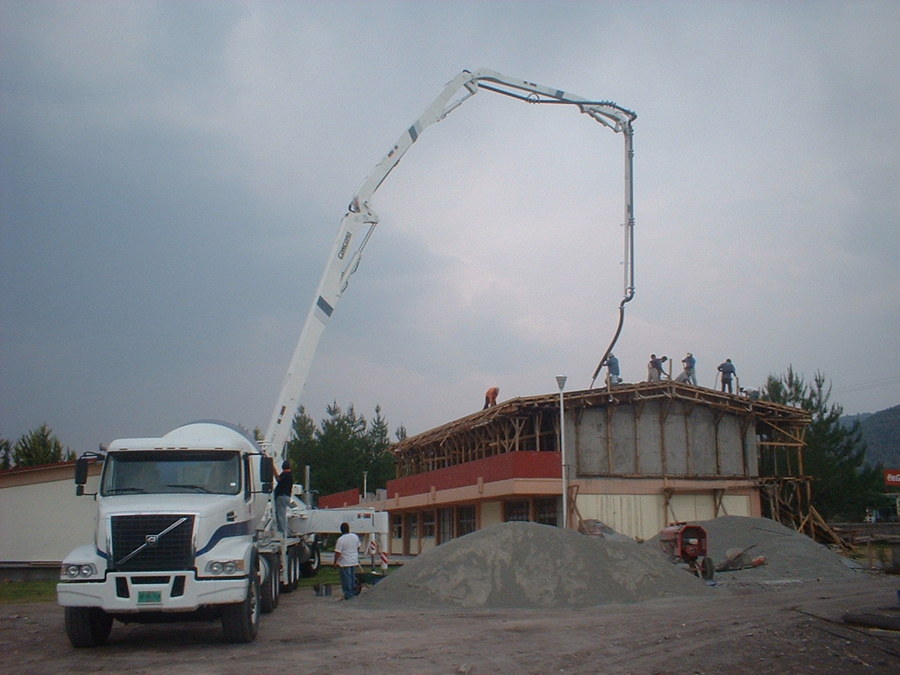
(185, 525)
(185, 531)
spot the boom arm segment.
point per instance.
(360, 220)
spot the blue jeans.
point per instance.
(281, 506)
(348, 581)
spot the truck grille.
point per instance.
(138, 543)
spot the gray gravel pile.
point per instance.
(790, 556)
(528, 565)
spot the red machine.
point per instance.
(686, 544)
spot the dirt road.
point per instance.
(792, 628)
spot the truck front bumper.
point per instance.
(152, 592)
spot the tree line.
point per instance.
(38, 446)
(345, 446)
(843, 485)
(344, 451)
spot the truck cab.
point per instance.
(176, 533)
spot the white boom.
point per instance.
(360, 220)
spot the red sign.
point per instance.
(892, 477)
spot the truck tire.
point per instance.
(293, 570)
(311, 566)
(270, 587)
(87, 626)
(297, 570)
(240, 621)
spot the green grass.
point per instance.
(44, 590)
(326, 575)
(15, 592)
(329, 575)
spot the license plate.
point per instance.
(149, 597)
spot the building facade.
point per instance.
(637, 457)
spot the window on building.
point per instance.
(465, 520)
(428, 526)
(397, 526)
(447, 529)
(412, 525)
(517, 510)
(546, 510)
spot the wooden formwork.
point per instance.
(532, 424)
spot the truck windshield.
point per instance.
(180, 471)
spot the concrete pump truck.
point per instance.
(185, 526)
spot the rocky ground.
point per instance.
(533, 601)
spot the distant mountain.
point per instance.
(881, 432)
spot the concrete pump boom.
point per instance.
(360, 220)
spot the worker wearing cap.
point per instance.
(282, 495)
(612, 367)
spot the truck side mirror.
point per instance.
(81, 470)
(81, 474)
(266, 473)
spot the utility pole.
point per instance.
(561, 383)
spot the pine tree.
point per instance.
(40, 446)
(834, 457)
(380, 460)
(341, 450)
(5, 454)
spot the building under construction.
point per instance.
(637, 457)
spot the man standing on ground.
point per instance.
(346, 558)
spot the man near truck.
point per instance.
(346, 558)
(282, 496)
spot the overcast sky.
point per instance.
(172, 176)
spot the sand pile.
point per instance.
(528, 565)
(521, 564)
(790, 556)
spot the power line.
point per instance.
(871, 384)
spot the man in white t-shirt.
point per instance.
(346, 558)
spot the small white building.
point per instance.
(41, 518)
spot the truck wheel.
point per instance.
(286, 588)
(87, 626)
(240, 621)
(293, 566)
(707, 569)
(311, 566)
(269, 589)
(296, 569)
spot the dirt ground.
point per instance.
(744, 627)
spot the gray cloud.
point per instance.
(172, 176)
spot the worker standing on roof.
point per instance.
(612, 367)
(490, 397)
(728, 371)
(655, 368)
(689, 375)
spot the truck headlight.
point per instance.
(226, 567)
(78, 570)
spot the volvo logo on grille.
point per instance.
(151, 540)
